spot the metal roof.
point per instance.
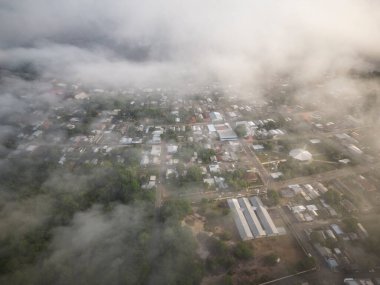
(264, 216)
(252, 219)
(240, 221)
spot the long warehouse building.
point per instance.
(240, 221)
(251, 218)
(264, 216)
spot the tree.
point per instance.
(226, 280)
(271, 259)
(175, 208)
(306, 263)
(205, 154)
(169, 135)
(243, 251)
(317, 237)
(186, 153)
(194, 174)
(332, 197)
(132, 157)
(351, 224)
(273, 197)
(241, 131)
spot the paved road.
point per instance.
(263, 172)
(325, 176)
(160, 189)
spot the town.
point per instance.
(292, 189)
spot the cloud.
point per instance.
(19, 217)
(96, 248)
(152, 42)
(116, 43)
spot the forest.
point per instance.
(89, 225)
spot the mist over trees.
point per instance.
(94, 224)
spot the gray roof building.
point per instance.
(252, 220)
(240, 221)
(264, 216)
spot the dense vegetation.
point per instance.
(89, 225)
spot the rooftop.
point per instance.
(301, 154)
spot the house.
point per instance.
(171, 149)
(209, 181)
(258, 147)
(151, 184)
(214, 168)
(216, 117)
(301, 155)
(276, 175)
(81, 96)
(125, 140)
(338, 231)
(156, 150)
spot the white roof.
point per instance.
(344, 161)
(125, 140)
(214, 168)
(298, 208)
(240, 221)
(172, 148)
(258, 147)
(211, 128)
(209, 181)
(227, 134)
(337, 229)
(276, 175)
(81, 96)
(312, 208)
(216, 116)
(301, 154)
(315, 141)
(156, 150)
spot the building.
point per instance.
(332, 263)
(225, 132)
(214, 168)
(216, 117)
(354, 149)
(125, 140)
(227, 135)
(258, 147)
(301, 155)
(362, 231)
(211, 128)
(264, 216)
(276, 175)
(156, 150)
(82, 96)
(251, 217)
(338, 231)
(171, 149)
(151, 184)
(240, 221)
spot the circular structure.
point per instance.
(301, 154)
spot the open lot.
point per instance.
(257, 271)
(275, 157)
